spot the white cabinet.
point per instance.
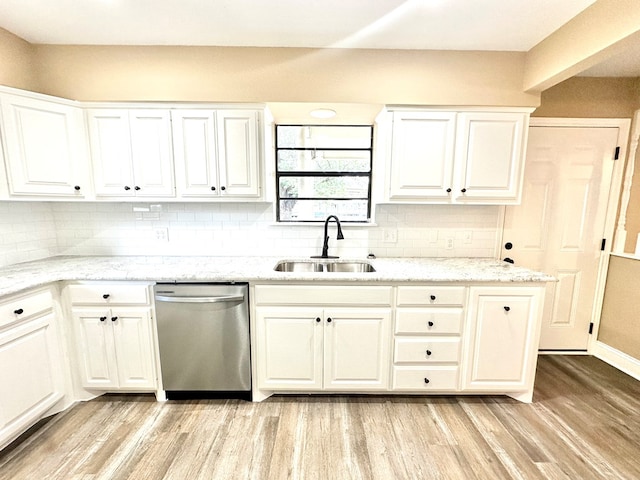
(45, 147)
(31, 371)
(337, 347)
(457, 157)
(503, 334)
(131, 152)
(216, 153)
(115, 341)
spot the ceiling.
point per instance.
(499, 25)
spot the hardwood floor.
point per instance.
(584, 424)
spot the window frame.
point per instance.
(311, 174)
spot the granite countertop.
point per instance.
(254, 269)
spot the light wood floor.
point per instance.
(584, 424)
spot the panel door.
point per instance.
(489, 148)
(133, 343)
(195, 153)
(110, 141)
(151, 153)
(239, 154)
(503, 338)
(357, 348)
(560, 224)
(29, 377)
(96, 352)
(45, 146)
(422, 151)
(289, 348)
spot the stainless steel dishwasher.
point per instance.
(203, 336)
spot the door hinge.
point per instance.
(603, 244)
(590, 328)
(616, 155)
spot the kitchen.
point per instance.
(43, 229)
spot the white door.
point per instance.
(559, 226)
(95, 348)
(134, 347)
(356, 353)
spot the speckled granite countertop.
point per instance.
(22, 276)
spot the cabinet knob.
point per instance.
(432, 297)
(213, 189)
(127, 187)
(76, 188)
(102, 319)
(136, 188)
(464, 190)
(448, 190)
(508, 260)
(113, 319)
(506, 308)
(105, 296)
(426, 380)
(223, 188)
(317, 319)
(430, 323)
(508, 246)
(428, 352)
(329, 320)
(19, 311)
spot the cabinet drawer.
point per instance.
(371, 296)
(427, 350)
(109, 294)
(25, 306)
(432, 321)
(431, 296)
(426, 379)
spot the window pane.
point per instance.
(318, 210)
(324, 160)
(323, 136)
(324, 187)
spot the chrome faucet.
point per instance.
(325, 246)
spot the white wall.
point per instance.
(33, 230)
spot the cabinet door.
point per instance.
(94, 336)
(46, 150)
(133, 343)
(151, 153)
(503, 339)
(489, 156)
(289, 348)
(357, 346)
(110, 142)
(239, 154)
(30, 378)
(195, 153)
(422, 155)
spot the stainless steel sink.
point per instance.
(298, 267)
(302, 266)
(352, 267)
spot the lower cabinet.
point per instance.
(31, 370)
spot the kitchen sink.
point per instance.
(331, 266)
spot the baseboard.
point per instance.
(618, 359)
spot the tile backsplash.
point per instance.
(33, 230)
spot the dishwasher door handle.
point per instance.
(221, 299)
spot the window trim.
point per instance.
(299, 173)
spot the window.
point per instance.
(323, 170)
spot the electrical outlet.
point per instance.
(390, 235)
(161, 234)
(449, 243)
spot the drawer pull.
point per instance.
(430, 323)
(102, 319)
(113, 319)
(105, 296)
(432, 297)
(426, 380)
(506, 308)
(19, 311)
(428, 352)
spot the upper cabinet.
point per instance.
(131, 152)
(471, 157)
(45, 147)
(216, 153)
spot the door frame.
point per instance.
(613, 201)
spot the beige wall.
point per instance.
(283, 75)
(16, 62)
